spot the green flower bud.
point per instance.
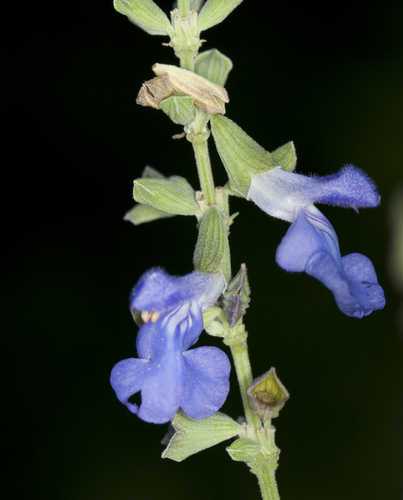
(237, 297)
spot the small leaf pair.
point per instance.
(148, 16)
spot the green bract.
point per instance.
(242, 157)
(215, 11)
(214, 66)
(146, 14)
(141, 214)
(244, 450)
(173, 195)
(180, 109)
(211, 242)
(192, 436)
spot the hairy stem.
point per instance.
(204, 171)
(267, 480)
(244, 375)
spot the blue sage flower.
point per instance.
(310, 244)
(169, 375)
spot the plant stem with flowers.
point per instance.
(189, 386)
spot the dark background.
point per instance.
(328, 77)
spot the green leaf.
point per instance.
(215, 11)
(141, 214)
(244, 450)
(146, 14)
(192, 436)
(211, 242)
(214, 66)
(173, 195)
(285, 156)
(237, 297)
(180, 109)
(152, 173)
(242, 157)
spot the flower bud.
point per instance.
(268, 395)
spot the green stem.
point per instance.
(202, 156)
(198, 136)
(184, 7)
(244, 375)
(187, 60)
(267, 480)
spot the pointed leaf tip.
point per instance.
(215, 11)
(145, 14)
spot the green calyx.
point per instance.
(212, 243)
(243, 157)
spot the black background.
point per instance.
(330, 78)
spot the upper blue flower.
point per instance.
(168, 375)
(310, 244)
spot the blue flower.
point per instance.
(310, 244)
(169, 375)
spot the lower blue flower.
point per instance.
(168, 374)
(311, 245)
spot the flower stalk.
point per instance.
(198, 134)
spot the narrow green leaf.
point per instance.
(180, 109)
(285, 156)
(146, 14)
(173, 195)
(141, 214)
(211, 242)
(214, 66)
(215, 11)
(192, 436)
(242, 157)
